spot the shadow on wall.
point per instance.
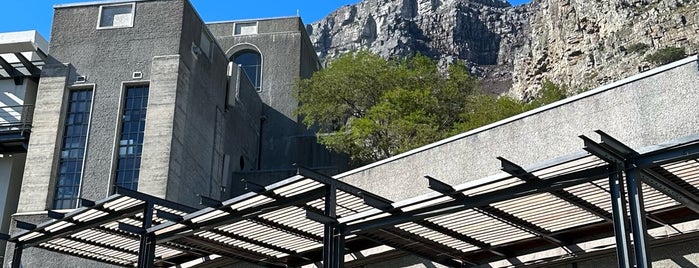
(286, 142)
(683, 262)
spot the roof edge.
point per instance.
(94, 3)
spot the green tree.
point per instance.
(372, 108)
(484, 109)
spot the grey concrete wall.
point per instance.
(108, 57)
(280, 66)
(287, 54)
(37, 183)
(243, 131)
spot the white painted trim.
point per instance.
(551, 106)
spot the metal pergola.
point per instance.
(23, 63)
(608, 191)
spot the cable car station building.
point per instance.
(160, 141)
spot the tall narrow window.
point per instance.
(251, 63)
(72, 150)
(131, 140)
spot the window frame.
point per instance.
(60, 148)
(101, 12)
(118, 125)
(260, 77)
(235, 27)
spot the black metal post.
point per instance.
(17, 256)
(146, 252)
(619, 214)
(333, 240)
(338, 247)
(638, 217)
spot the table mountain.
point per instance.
(576, 43)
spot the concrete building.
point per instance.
(145, 96)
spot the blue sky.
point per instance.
(37, 14)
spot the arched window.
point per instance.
(251, 63)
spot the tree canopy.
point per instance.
(372, 108)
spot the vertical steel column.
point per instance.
(339, 247)
(619, 214)
(146, 251)
(17, 256)
(638, 217)
(333, 240)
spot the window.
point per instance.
(116, 16)
(72, 149)
(251, 64)
(245, 28)
(206, 43)
(131, 139)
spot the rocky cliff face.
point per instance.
(576, 43)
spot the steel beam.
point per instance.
(638, 217)
(153, 199)
(33, 70)
(671, 189)
(494, 213)
(14, 73)
(231, 251)
(670, 155)
(146, 251)
(244, 214)
(17, 256)
(333, 255)
(519, 172)
(113, 215)
(327, 180)
(621, 234)
(614, 151)
(526, 189)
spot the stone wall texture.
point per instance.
(576, 43)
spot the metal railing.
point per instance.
(16, 118)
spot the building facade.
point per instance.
(144, 95)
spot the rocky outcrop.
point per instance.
(584, 44)
(577, 43)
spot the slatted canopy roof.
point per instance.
(558, 207)
(22, 55)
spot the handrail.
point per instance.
(16, 118)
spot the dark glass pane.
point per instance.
(131, 139)
(251, 63)
(73, 148)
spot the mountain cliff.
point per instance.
(575, 43)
